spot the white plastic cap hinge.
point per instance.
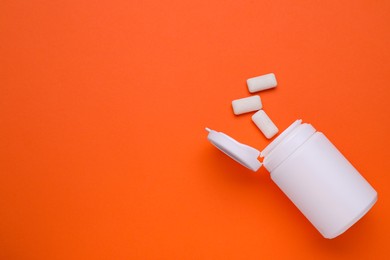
(241, 153)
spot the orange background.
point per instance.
(103, 104)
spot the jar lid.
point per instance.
(241, 153)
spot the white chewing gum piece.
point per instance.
(260, 83)
(265, 124)
(245, 105)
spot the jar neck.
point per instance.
(286, 144)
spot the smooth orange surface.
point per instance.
(103, 104)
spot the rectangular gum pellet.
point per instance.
(245, 105)
(265, 124)
(263, 82)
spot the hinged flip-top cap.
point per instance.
(241, 153)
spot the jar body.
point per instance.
(324, 186)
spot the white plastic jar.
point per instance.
(318, 179)
(313, 174)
